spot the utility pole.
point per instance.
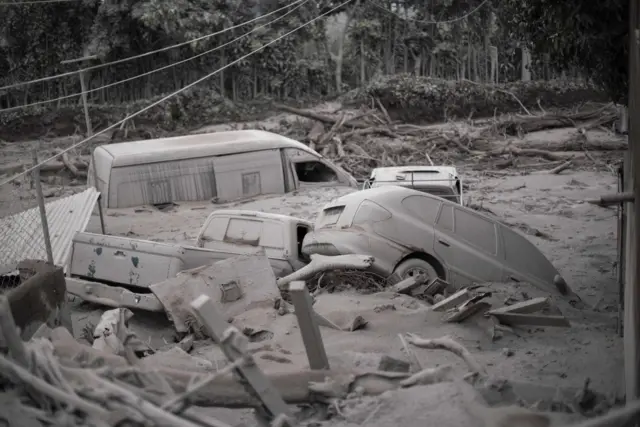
(83, 87)
(632, 266)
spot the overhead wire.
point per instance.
(18, 3)
(19, 107)
(171, 95)
(143, 55)
(448, 21)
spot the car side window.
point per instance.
(424, 208)
(476, 230)
(445, 220)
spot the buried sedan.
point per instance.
(409, 232)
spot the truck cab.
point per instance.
(140, 263)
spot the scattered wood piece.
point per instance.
(429, 376)
(311, 337)
(449, 344)
(437, 286)
(466, 311)
(407, 285)
(233, 344)
(71, 167)
(452, 301)
(562, 167)
(528, 306)
(514, 319)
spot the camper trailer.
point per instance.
(221, 166)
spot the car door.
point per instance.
(468, 244)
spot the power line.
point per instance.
(448, 21)
(18, 3)
(142, 55)
(19, 107)
(190, 85)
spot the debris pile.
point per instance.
(117, 378)
(370, 138)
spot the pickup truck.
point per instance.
(137, 264)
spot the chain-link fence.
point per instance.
(23, 233)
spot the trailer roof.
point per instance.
(197, 145)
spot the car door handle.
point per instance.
(514, 279)
(443, 242)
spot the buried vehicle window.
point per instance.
(476, 230)
(423, 208)
(313, 171)
(369, 212)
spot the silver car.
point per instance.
(409, 232)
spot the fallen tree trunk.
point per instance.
(320, 117)
(52, 166)
(527, 124)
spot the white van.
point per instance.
(221, 166)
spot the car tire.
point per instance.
(413, 266)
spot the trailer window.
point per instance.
(313, 171)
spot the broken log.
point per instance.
(51, 167)
(321, 263)
(449, 344)
(71, 166)
(319, 117)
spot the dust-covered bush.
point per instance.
(423, 100)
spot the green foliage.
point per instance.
(423, 99)
(591, 36)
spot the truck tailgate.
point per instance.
(122, 260)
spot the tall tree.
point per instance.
(591, 36)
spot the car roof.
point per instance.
(197, 145)
(391, 194)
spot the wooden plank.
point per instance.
(436, 286)
(453, 301)
(528, 306)
(233, 345)
(466, 312)
(405, 286)
(309, 328)
(514, 319)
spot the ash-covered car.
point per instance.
(409, 232)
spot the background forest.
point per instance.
(370, 45)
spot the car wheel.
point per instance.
(413, 267)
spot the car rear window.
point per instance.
(424, 208)
(476, 230)
(329, 216)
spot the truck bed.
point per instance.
(140, 263)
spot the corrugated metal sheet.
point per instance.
(21, 235)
